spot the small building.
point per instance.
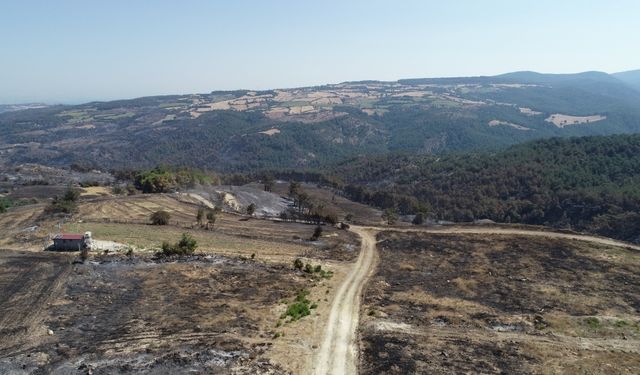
(71, 242)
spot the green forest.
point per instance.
(586, 184)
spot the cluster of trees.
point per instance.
(589, 183)
(65, 204)
(206, 217)
(165, 179)
(305, 208)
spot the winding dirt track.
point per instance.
(338, 352)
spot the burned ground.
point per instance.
(500, 304)
(129, 315)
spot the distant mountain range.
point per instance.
(312, 127)
(20, 107)
(631, 78)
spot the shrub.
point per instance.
(66, 204)
(299, 308)
(308, 268)
(187, 245)
(200, 215)
(298, 264)
(316, 233)
(211, 218)
(390, 215)
(251, 209)
(331, 218)
(418, 219)
(84, 254)
(117, 190)
(592, 322)
(160, 218)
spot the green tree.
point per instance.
(66, 204)
(200, 215)
(268, 182)
(316, 233)
(211, 218)
(390, 215)
(418, 219)
(251, 209)
(160, 218)
(294, 189)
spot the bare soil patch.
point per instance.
(562, 121)
(509, 124)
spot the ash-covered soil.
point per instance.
(449, 304)
(202, 314)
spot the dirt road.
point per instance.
(338, 351)
(517, 232)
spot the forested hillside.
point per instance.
(312, 127)
(590, 183)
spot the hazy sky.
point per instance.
(75, 51)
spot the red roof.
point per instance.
(69, 236)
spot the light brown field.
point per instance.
(271, 132)
(509, 124)
(562, 121)
(529, 111)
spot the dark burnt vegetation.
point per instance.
(508, 273)
(143, 314)
(458, 293)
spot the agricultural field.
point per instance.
(562, 121)
(468, 303)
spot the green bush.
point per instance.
(160, 218)
(308, 268)
(316, 233)
(251, 209)
(299, 308)
(592, 322)
(187, 245)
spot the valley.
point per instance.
(326, 188)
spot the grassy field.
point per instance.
(150, 237)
